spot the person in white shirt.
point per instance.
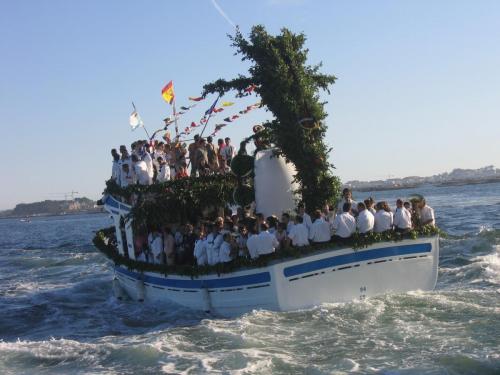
(200, 252)
(214, 241)
(383, 218)
(320, 229)
(369, 203)
(228, 152)
(179, 236)
(163, 170)
(148, 160)
(158, 153)
(241, 241)
(141, 171)
(347, 198)
(299, 235)
(328, 213)
(302, 212)
(141, 257)
(116, 170)
(127, 176)
(365, 220)
(272, 222)
(402, 218)
(267, 241)
(253, 242)
(226, 248)
(169, 246)
(426, 214)
(125, 157)
(285, 219)
(344, 224)
(155, 241)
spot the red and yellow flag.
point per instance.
(168, 92)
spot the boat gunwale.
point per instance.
(303, 260)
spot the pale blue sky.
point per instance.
(418, 90)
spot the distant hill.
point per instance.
(52, 207)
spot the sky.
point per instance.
(418, 87)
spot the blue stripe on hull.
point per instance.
(110, 201)
(356, 257)
(241, 281)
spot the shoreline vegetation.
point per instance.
(105, 242)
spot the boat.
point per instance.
(328, 275)
(282, 171)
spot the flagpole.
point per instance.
(143, 126)
(209, 117)
(175, 119)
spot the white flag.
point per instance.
(135, 120)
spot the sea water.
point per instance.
(58, 314)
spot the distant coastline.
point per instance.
(53, 208)
(457, 177)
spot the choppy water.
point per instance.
(58, 316)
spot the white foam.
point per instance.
(491, 264)
(58, 349)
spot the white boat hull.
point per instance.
(338, 275)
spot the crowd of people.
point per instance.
(243, 234)
(150, 162)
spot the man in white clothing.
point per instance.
(299, 233)
(267, 241)
(228, 151)
(285, 218)
(163, 170)
(214, 241)
(148, 160)
(226, 249)
(200, 252)
(155, 241)
(426, 214)
(346, 198)
(127, 176)
(125, 157)
(344, 224)
(116, 170)
(307, 219)
(383, 218)
(365, 220)
(253, 243)
(141, 171)
(402, 218)
(158, 152)
(320, 230)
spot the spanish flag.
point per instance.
(168, 92)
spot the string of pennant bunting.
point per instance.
(168, 95)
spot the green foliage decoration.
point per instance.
(289, 88)
(183, 200)
(105, 242)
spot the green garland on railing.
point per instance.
(176, 201)
(104, 242)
